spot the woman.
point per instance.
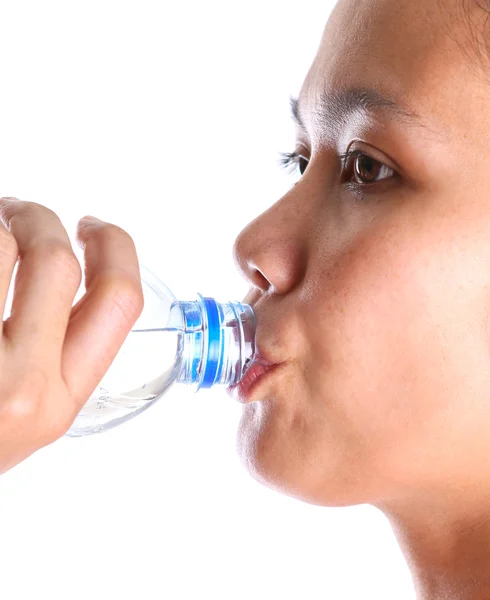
(370, 281)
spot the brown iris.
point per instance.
(366, 168)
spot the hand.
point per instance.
(53, 354)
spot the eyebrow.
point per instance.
(335, 106)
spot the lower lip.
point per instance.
(255, 374)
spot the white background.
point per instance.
(166, 118)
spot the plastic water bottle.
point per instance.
(201, 343)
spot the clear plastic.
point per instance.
(201, 343)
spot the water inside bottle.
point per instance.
(145, 367)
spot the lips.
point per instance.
(257, 370)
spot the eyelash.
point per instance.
(292, 159)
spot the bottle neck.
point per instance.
(218, 341)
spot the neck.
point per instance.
(445, 539)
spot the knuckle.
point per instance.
(25, 402)
(33, 406)
(61, 256)
(23, 409)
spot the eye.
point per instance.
(365, 169)
(291, 160)
(302, 164)
(359, 170)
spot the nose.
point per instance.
(271, 251)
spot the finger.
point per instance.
(106, 313)
(47, 279)
(9, 253)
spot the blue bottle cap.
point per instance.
(214, 348)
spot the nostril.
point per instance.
(259, 280)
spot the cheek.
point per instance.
(402, 351)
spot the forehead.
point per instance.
(411, 50)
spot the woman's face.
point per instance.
(371, 282)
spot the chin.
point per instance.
(275, 462)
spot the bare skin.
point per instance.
(51, 354)
(376, 302)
